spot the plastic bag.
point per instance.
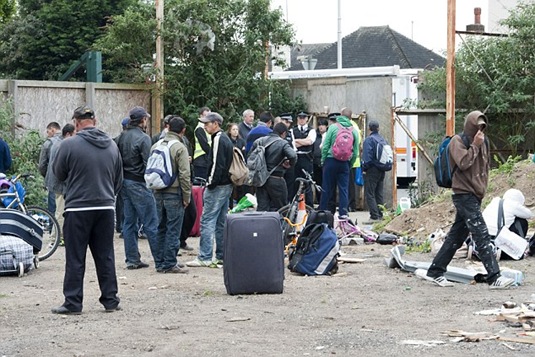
(359, 179)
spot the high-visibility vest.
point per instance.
(198, 149)
(356, 126)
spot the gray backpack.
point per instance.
(256, 163)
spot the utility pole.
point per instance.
(450, 70)
(157, 98)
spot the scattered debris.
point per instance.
(238, 319)
(345, 259)
(463, 336)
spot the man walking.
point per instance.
(171, 201)
(469, 183)
(216, 196)
(373, 169)
(336, 169)
(273, 195)
(138, 201)
(90, 164)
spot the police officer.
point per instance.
(304, 137)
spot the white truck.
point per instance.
(405, 94)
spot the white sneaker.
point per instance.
(196, 263)
(440, 280)
(502, 283)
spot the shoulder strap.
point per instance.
(501, 218)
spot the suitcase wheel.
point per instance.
(21, 269)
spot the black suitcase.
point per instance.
(253, 251)
(16, 223)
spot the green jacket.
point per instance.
(181, 165)
(330, 137)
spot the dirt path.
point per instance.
(366, 309)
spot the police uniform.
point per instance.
(304, 155)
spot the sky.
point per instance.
(424, 21)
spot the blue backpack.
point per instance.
(316, 252)
(444, 167)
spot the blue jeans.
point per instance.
(171, 215)
(139, 205)
(467, 219)
(335, 172)
(51, 202)
(213, 221)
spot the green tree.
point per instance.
(496, 75)
(49, 35)
(215, 54)
(7, 10)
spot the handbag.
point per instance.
(359, 178)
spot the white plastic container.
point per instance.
(404, 203)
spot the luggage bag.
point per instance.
(197, 193)
(253, 251)
(16, 256)
(16, 223)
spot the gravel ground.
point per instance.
(366, 309)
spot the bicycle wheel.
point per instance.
(51, 230)
(290, 212)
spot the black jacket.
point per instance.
(220, 158)
(276, 152)
(134, 146)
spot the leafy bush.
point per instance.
(25, 146)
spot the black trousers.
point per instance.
(273, 195)
(304, 162)
(467, 219)
(190, 215)
(93, 229)
(373, 191)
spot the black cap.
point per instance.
(287, 117)
(302, 114)
(138, 113)
(332, 116)
(373, 125)
(83, 112)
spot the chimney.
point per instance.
(476, 27)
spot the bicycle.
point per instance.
(12, 195)
(294, 215)
(348, 232)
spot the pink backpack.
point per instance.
(343, 143)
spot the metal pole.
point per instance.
(157, 110)
(450, 70)
(339, 53)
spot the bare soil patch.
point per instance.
(365, 309)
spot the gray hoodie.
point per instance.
(91, 166)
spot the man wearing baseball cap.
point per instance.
(90, 165)
(139, 204)
(216, 196)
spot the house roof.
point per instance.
(375, 46)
